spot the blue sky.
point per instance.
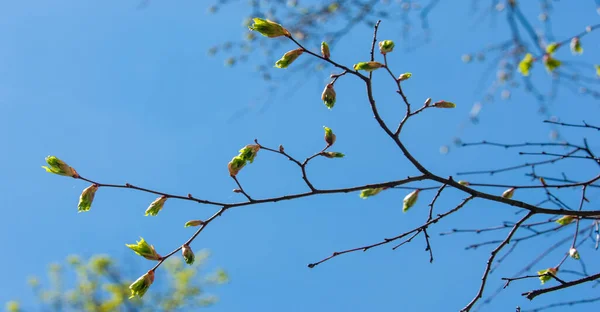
(127, 95)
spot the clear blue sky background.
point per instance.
(126, 95)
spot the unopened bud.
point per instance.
(508, 194)
(465, 183)
(193, 223)
(543, 181)
(237, 190)
(427, 102)
(444, 104)
(332, 154)
(325, 50)
(281, 149)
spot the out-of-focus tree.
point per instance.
(100, 285)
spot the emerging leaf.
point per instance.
(526, 64)
(508, 194)
(141, 285)
(465, 183)
(328, 96)
(565, 220)
(325, 50)
(576, 46)
(546, 275)
(386, 46)
(368, 66)
(288, 58)
(268, 28)
(249, 152)
(193, 223)
(404, 76)
(444, 104)
(188, 254)
(329, 136)
(86, 198)
(574, 253)
(156, 206)
(332, 154)
(597, 70)
(551, 48)
(410, 200)
(144, 249)
(364, 194)
(59, 167)
(551, 63)
(235, 165)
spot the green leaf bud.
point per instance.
(404, 76)
(565, 220)
(86, 198)
(364, 194)
(288, 58)
(508, 194)
(551, 63)
(386, 46)
(328, 96)
(235, 165)
(526, 64)
(410, 200)
(329, 136)
(188, 254)
(368, 66)
(59, 167)
(268, 28)
(332, 154)
(551, 48)
(249, 152)
(325, 50)
(141, 285)
(573, 253)
(156, 206)
(144, 249)
(193, 223)
(444, 104)
(546, 275)
(576, 46)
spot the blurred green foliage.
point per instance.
(98, 285)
